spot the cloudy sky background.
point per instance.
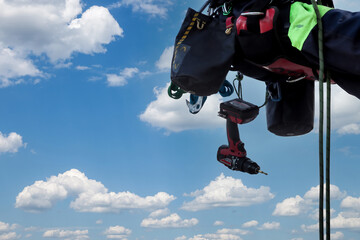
(91, 146)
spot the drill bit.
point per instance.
(263, 172)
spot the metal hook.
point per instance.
(200, 27)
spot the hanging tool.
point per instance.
(237, 111)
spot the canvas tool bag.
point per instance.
(203, 52)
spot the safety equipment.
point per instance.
(203, 53)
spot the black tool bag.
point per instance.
(203, 53)
(291, 113)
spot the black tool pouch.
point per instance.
(203, 53)
(291, 113)
(257, 36)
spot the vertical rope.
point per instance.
(321, 122)
(328, 132)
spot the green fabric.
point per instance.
(302, 21)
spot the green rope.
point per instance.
(321, 135)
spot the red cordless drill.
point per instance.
(233, 155)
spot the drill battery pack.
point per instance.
(238, 111)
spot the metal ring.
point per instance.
(252, 13)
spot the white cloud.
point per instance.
(52, 27)
(342, 221)
(117, 232)
(14, 65)
(164, 63)
(68, 234)
(290, 207)
(270, 226)
(172, 221)
(233, 231)
(218, 223)
(152, 7)
(4, 227)
(82, 68)
(9, 236)
(115, 80)
(159, 213)
(181, 238)
(216, 236)
(56, 29)
(335, 192)
(227, 192)
(297, 205)
(252, 223)
(91, 196)
(174, 116)
(337, 236)
(10, 143)
(345, 111)
(310, 228)
(351, 202)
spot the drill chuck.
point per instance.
(243, 164)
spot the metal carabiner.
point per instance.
(200, 27)
(289, 80)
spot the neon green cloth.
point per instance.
(302, 21)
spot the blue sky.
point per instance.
(91, 147)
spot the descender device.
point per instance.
(233, 156)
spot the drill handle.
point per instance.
(232, 134)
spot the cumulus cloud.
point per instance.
(181, 238)
(218, 223)
(4, 227)
(164, 63)
(67, 234)
(335, 192)
(337, 236)
(342, 221)
(115, 80)
(14, 65)
(117, 232)
(56, 29)
(291, 206)
(159, 213)
(222, 234)
(351, 202)
(270, 226)
(152, 7)
(173, 115)
(233, 231)
(297, 205)
(10, 143)
(345, 112)
(172, 221)
(227, 192)
(9, 236)
(252, 223)
(90, 195)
